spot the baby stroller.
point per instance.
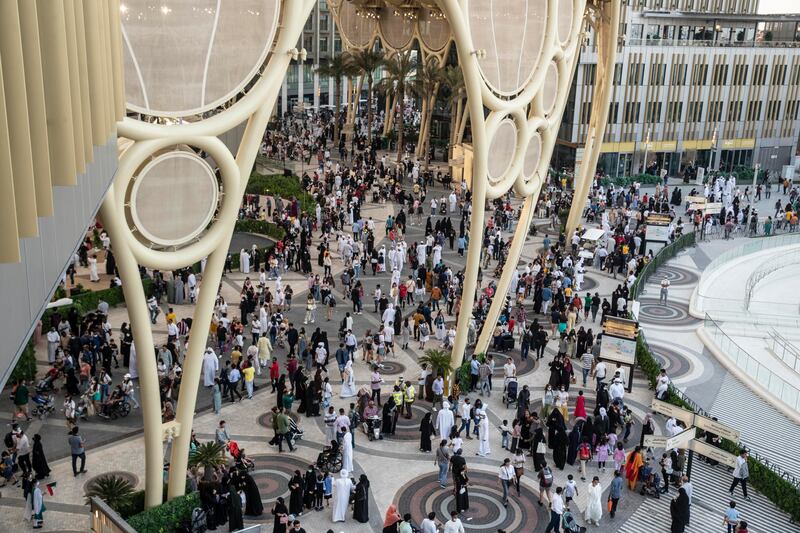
(43, 405)
(651, 483)
(569, 525)
(510, 392)
(295, 433)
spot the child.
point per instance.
(327, 488)
(584, 454)
(619, 456)
(319, 490)
(627, 418)
(455, 440)
(731, 518)
(602, 451)
(570, 489)
(7, 465)
(505, 431)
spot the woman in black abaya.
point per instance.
(361, 505)
(253, 505)
(296, 494)
(280, 511)
(560, 448)
(39, 461)
(538, 447)
(235, 519)
(426, 431)
(574, 441)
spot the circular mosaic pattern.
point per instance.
(673, 314)
(392, 368)
(486, 512)
(676, 275)
(407, 429)
(130, 477)
(675, 364)
(588, 284)
(265, 420)
(272, 474)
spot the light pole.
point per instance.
(713, 151)
(646, 147)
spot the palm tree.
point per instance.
(337, 67)
(209, 455)
(439, 361)
(453, 79)
(367, 62)
(398, 69)
(116, 491)
(426, 85)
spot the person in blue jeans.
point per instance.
(443, 462)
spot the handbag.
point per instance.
(610, 504)
(284, 519)
(541, 448)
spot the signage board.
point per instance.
(681, 439)
(707, 424)
(653, 441)
(657, 233)
(712, 452)
(620, 327)
(618, 350)
(696, 199)
(674, 411)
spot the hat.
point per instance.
(127, 376)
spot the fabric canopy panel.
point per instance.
(434, 30)
(512, 33)
(356, 29)
(533, 154)
(502, 148)
(174, 198)
(397, 29)
(186, 57)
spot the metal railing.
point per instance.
(657, 41)
(771, 265)
(663, 255)
(785, 350)
(774, 383)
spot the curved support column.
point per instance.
(517, 244)
(607, 36)
(139, 315)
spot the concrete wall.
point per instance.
(27, 287)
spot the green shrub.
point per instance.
(261, 227)
(283, 186)
(625, 181)
(167, 517)
(26, 364)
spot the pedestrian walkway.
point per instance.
(710, 500)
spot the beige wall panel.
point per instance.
(94, 55)
(83, 68)
(9, 241)
(53, 41)
(108, 68)
(17, 119)
(34, 88)
(74, 85)
(116, 46)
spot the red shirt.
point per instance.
(274, 371)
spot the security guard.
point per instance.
(408, 398)
(397, 396)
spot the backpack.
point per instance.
(547, 477)
(584, 452)
(9, 440)
(199, 521)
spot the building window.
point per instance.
(674, 111)
(795, 79)
(759, 74)
(699, 73)
(754, 110)
(735, 111)
(586, 111)
(631, 113)
(657, 71)
(678, 74)
(683, 33)
(652, 112)
(308, 43)
(636, 31)
(635, 73)
(792, 109)
(337, 45)
(589, 72)
(694, 112)
(778, 74)
(714, 112)
(720, 76)
(324, 21)
(613, 112)
(773, 110)
(618, 74)
(323, 45)
(739, 74)
(309, 24)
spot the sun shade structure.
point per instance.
(518, 58)
(194, 69)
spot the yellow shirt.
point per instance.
(249, 373)
(235, 356)
(172, 316)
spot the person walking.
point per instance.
(615, 492)
(731, 518)
(507, 477)
(78, 451)
(594, 507)
(442, 460)
(740, 474)
(556, 510)
(39, 461)
(679, 512)
(22, 448)
(282, 421)
(662, 298)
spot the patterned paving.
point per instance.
(677, 276)
(486, 512)
(674, 314)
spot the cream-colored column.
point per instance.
(17, 120)
(94, 57)
(9, 239)
(607, 37)
(136, 303)
(75, 84)
(37, 118)
(473, 84)
(295, 14)
(108, 67)
(514, 253)
(83, 69)
(58, 105)
(116, 59)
